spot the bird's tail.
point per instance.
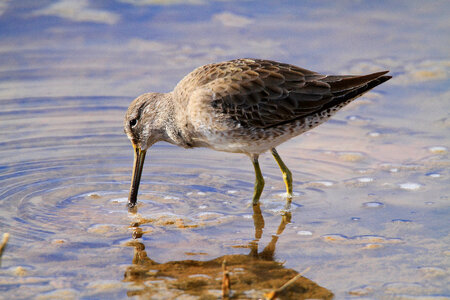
(351, 87)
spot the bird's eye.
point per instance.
(133, 122)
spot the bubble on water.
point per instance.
(365, 179)
(355, 219)
(433, 175)
(232, 192)
(304, 232)
(438, 149)
(410, 186)
(373, 204)
(374, 134)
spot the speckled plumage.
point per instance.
(244, 105)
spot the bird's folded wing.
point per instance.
(260, 93)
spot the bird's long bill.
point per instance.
(139, 157)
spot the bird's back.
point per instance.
(262, 96)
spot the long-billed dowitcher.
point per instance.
(244, 106)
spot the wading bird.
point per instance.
(243, 106)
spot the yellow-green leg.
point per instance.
(287, 175)
(259, 180)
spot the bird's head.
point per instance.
(144, 128)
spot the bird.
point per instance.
(246, 105)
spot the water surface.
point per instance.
(371, 205)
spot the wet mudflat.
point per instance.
(370, 211)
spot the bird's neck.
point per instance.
(172, 125)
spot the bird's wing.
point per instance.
(262, 93)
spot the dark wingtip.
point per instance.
(353, 82)
(378, 74)
(382, 79)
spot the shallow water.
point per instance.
(371, 205)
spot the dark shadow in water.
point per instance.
(251, 275)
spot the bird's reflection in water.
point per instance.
(251, 276)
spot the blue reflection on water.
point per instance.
(68, 70)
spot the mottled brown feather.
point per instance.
(262, 93)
